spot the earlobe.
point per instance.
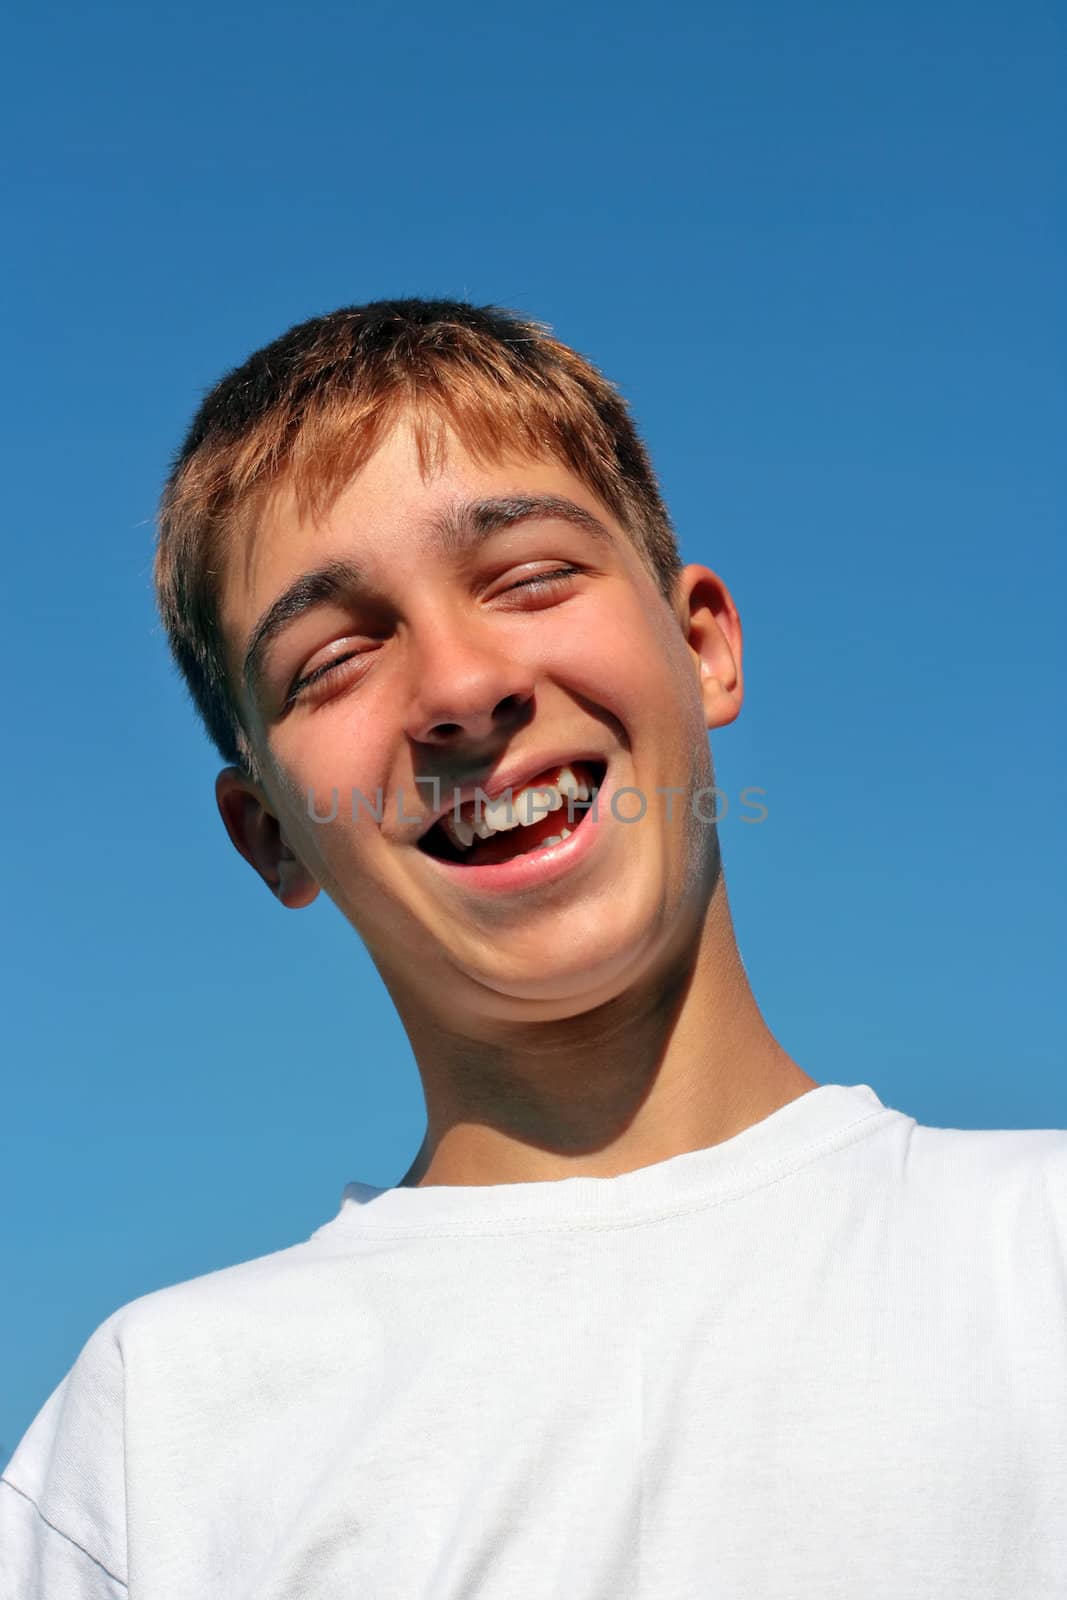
(295, 887)
(713, 632)
(256, 834)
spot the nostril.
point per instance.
(511, 707)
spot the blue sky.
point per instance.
(820, 247)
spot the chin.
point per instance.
(550, 979)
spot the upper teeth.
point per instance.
(512, 809)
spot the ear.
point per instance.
(256, 834)
(712, 629)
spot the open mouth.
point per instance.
(543, 812)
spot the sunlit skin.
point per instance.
(599, 1020)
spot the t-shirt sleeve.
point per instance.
(62, 1495)
(37, 1562)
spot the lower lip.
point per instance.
(533, 868)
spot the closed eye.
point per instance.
(544, 580)
(299, 687)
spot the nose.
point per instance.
(466, 688)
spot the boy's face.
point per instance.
(446, 662)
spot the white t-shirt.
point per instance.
(825, 1358)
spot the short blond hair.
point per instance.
(309, 409)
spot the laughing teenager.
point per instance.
(653, 1313)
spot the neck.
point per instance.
(680, 1062)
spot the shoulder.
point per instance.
(63, 1491)
(249, 1288)
(999, 1195)
(1000, 1164)
(67, 1479)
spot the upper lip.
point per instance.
(510, 777)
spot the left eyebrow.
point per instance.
(471, 521)
(455, 531)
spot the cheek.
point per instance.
(635, 665)
(609, 644)
(330, 771)
(343, 744)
